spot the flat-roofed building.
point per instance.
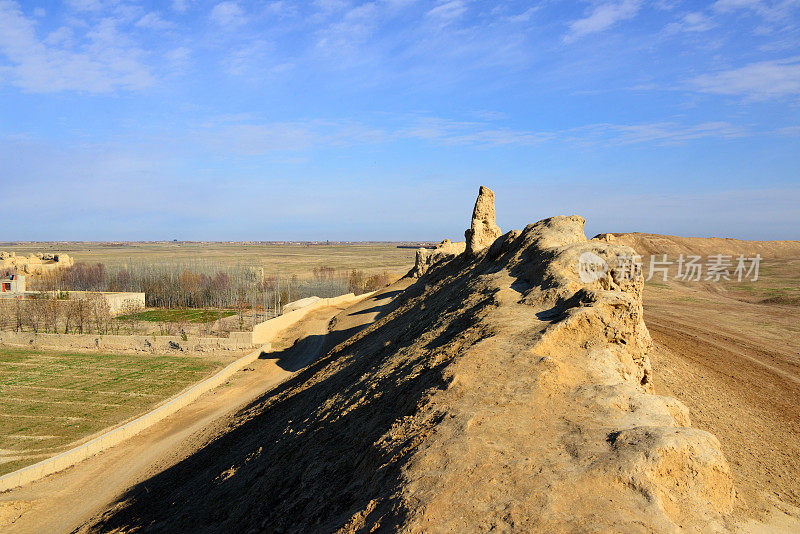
(13, 284)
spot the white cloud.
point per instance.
(757, 81)
(249, 59)
(602, 18)
(657, 132)
(344, 37)
(62, 36)
(228, 15)
(244, 136)
(777, 14)
(525, 16)
(106, 63)
(329, 6)
(447, 12)
(788, 131)
(727, 5)
(178, 58)
(181, 6)
(153, 21)
(89, 5)
(260, 139)
(691, 22)
(459, 133)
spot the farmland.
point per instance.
(285, 258)
(177, 315)
(51, 400)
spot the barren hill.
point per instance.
(649, 244)
(500, 393)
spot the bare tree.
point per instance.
(129, 309)
(100, 313)
(80, 314)
(35, 313)
(5, 314)
(19, 314)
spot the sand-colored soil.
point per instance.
(465, 404)
(736, 366)
(500, 392)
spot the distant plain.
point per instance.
(284, 258)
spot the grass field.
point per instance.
(49, 400)
(290, 258)
(178, 315)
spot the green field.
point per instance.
(50, 400)
(189, 315)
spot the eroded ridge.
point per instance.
(501, 392)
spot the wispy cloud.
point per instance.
(450, 132)
(154, 21)
(659, 133)
(447, 12)
(691, 22)
(109, 61)
(181, 6)
(768, 9)
(757, 81)
(228, 15)
(602, 17)
(252, 138)
(89, 5)
(344, 37)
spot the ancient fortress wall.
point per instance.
(34, 263)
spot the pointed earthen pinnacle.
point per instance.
(483, 230)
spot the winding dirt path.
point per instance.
(65, 500)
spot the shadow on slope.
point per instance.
(318, 452)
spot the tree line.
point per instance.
(206, 285)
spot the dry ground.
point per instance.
(286, 259)
(736, 365)
(50, 401)
(730, 351)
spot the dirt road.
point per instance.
(736, 366)
(62, 502)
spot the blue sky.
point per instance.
(347, 120)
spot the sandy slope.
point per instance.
(450, 414)
(63, 501)
(647, 244)
(500, 393)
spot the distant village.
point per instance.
(15, 270)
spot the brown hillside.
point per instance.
(648, 244)
(500, 393)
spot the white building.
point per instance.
(14, 284)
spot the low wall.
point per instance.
(118, 302)
(266, 331)
(109, 439)
(135, 343)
